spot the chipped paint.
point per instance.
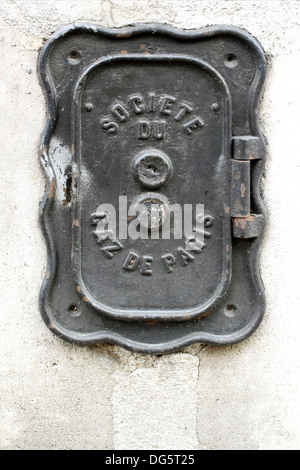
(76, 223)
(243, 190)
(52, 189)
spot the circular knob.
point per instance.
(152, 168)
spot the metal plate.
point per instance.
(154, 115)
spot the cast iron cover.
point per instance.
(161, 119)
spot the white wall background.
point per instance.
(54, 395)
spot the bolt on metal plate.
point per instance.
(152, 214)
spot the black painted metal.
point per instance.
(157, 115)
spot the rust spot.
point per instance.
(227, 210)
(241, 216)
(205, 314)
(78, 288)
(146, 53)
(152, 322)
(52, 326)
(48, 274)
(73, 149)
(242, 221)
(52, 189)
(85, 299)
(124, 52)
(76, 223)
(227, 248)
(124, 35)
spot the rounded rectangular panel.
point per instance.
(124, 109)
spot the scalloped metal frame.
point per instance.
(85, 326)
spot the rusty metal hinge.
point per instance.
(245, 223)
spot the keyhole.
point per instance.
(153, 170)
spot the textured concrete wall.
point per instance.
(54, 395)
